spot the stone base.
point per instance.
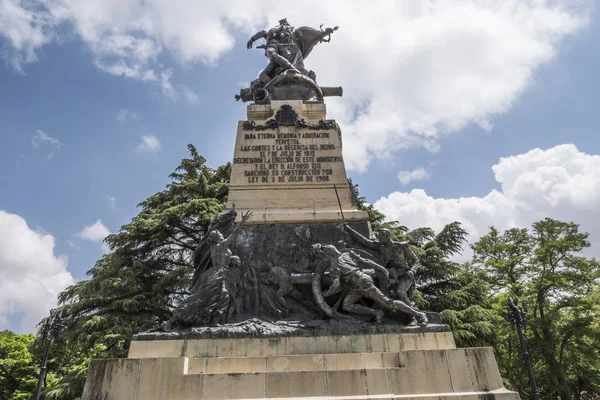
(306, 216)
(421, 365)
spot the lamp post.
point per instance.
(52, 333)
(518, 318)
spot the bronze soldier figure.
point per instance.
(400, 260)
(347, 268)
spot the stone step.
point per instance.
(152, 347)
(500, 394)
(438, 373)
(452, 374)
(313, 362)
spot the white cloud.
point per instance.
(95, 232)
(412, 70)
(190, 96)
(561, 183)
(24, 30)
(432, 68)
(124, 114)
(166, 86)
(149, 143)
(135, 72)
(418, 174)
(41, 137)
(31, 275)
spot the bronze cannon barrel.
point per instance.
(332, 91)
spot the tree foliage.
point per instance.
(559, 291)
(136, 286)
(18, 374)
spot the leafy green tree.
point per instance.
(558, 288)
(18, 371)
(67, 370)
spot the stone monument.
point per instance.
(293, 297)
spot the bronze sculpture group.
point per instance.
(353, 275)
(370, 282)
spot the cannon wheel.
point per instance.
(317, 290)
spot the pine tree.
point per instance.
(136, 286)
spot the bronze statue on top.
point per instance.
(287, 48)
(285, 77)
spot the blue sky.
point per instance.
(442, 89)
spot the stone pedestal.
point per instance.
(289, 170)
(411, 363)
(288, 166)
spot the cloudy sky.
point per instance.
(485, 112)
